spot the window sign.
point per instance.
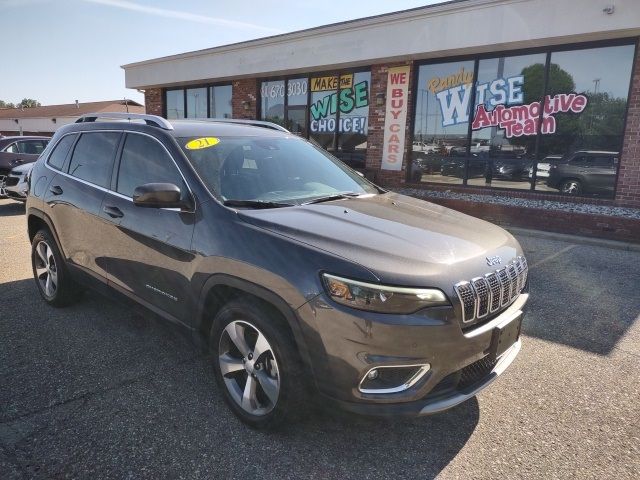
(326, 102)
(395, 118)
(518, 129)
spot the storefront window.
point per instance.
(441, 124)
(197, 103)
(323, 110)
(567, 137)
(506, 86)
(218, 97)
(339, 114)
(175, 104)
(354, 121)
(272, 94)
(297, 95)
(585, 109)
(220, 102)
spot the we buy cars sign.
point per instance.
(395, 118)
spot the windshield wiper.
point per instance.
(336, 196)
(255, 204)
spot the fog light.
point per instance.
(372, 375)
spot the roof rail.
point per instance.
(254, 123)
(152, 120)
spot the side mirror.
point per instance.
(159, 195)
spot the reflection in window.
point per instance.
(272, 95)
(220, 102)
(441, 124)
(197, 103)
(175, 104)
(587, 98)
(504, 157)
(354, 120)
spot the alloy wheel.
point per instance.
(571, 187)
(46, 269)
(249, 368)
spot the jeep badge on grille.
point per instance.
(495, 260)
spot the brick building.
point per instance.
(518, 99)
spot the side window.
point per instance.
(13, 148)
(144, 160)
(92, 158)
(59, 154)
(31, 147)
(603, 162)
(578, 161)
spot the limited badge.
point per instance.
(200, 143)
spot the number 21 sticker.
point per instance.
(199, 143)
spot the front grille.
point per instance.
(485, 295)
(464, 378)
(477, 371)
(11, 181)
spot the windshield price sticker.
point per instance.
(200, 143)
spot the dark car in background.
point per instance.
(304, 278)
(15, 151)
(588, 172)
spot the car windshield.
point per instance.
(275, 171)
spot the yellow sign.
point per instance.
(321, 84)
(200, 143)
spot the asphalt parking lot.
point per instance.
(98, 390)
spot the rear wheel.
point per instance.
(52, 278)
(256, 363)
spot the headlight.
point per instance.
(381, 298)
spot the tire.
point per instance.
(571, 186)
(54, 283)
(261, 390)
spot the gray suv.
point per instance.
(304, 278)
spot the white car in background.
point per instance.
(16, 183)
(544, 166)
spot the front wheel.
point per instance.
(571, 187)
(256, 363)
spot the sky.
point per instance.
(59, 51)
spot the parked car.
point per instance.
(304, 277)
(17, 182)
(542, 171)
(585, 172)
(15, 151)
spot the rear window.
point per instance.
(93, 157)
(59, 154)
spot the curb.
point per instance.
(563, 237)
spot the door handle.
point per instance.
(113, 212)
(56, 190)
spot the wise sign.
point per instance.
(395, 118)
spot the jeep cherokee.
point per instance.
(304, 277)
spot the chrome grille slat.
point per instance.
(495, 290)
(482, 293)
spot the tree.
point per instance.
(4, 104)
(568, 128)
(29, 103)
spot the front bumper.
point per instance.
(346, 344)
(15, 187)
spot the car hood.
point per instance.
(401, 240)
(21, 169)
